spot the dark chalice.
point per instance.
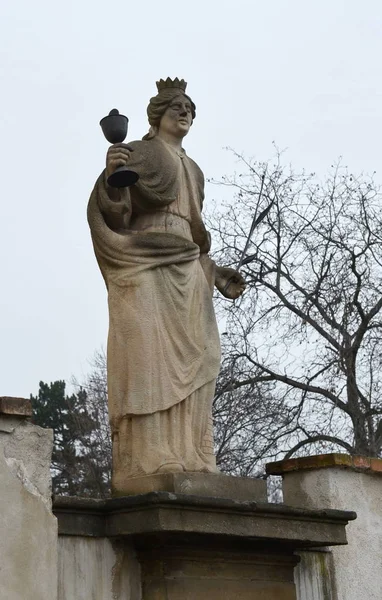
(114, 128)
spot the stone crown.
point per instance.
(171, 83)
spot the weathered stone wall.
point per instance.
(97, 569)
(339, 481)
(314, 576)
(28, 529)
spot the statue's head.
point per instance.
(171, 110)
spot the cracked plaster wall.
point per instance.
(358, 566)
(28, 529)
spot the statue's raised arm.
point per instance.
(152, 247)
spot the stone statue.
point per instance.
(152, 247)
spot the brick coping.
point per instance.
(363, 464)
(15, 407)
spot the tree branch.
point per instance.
(319, 438)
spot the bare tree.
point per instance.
(99, 454)
(247, 420)
(308, 329)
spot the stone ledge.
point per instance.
(15, 407)
(324, 461)
(169, 514)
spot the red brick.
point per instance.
(361, 462)
(376, 465)
(325, 461)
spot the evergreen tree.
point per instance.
(80, 466)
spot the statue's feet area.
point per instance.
(173, 479)
(171, 468)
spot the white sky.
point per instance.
(303, 73)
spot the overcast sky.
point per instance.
(305, 73)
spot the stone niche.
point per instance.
(180, 546)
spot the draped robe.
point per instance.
(163, 351)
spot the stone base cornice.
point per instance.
(164, 513)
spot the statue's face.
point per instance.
(177, 119)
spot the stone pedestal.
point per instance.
(180, 547)
(212, 485)
(188, 571)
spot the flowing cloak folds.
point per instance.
(151, 246)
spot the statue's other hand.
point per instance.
(118, 155)
(229, 282)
